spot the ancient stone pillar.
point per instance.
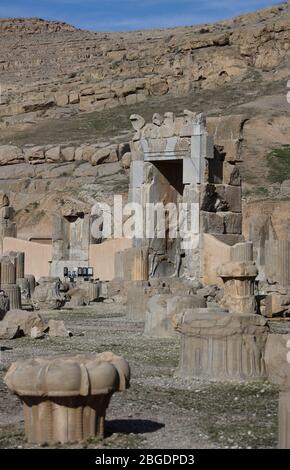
(119, 265)
(239, 285)
(8, 271)
(277, 262)
(277, 358)
(65, 399)
(8, 279)
(94, 291)
(136, 264)
(32, 282)
(8, 228)
(20, 263)
(137, 296)
(220, 346)
(14, 293)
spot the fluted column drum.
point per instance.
(8, 272)
(14, 293)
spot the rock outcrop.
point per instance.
(87, 71)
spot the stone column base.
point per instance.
(217, 345)
(64, 419)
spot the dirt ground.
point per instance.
(159, 410)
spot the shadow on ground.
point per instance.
(132, 426)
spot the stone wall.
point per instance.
(96, 153)
(38, 256)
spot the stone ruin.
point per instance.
(12, 277)
(176, 160)
(180, 160)
(70, 239)
(277, 358)
(217, 291)
(8, 228)
(65, 398)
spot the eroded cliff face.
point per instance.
(67, 94)
(48, 66)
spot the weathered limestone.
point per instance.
(32, 282)
(47, 294)
(7, 226)
(14, 293)
(24, 285)
(65, 398)
(4, 304)
(174, 160)
(277, 261)
(135, 262)
(239, 295)
(137, 297)
(161, 310)
(70, 239)
(19, 263)
(8, 271)
(275, 304)
(242, 252)
(218, 345)
(277, 358)
(12, 265)
(119, 265)
(57, 329)
(23, 321)
(93, 289)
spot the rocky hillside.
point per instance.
(62, 87)
(54, 68)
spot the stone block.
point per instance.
(232, 195)
(277, 261)
(233, 222)
(53, 154)
(119, 265)
(10, 154)
(231, 174)
(161, 310)
(34, 155)
(137, 174)
(57, 329)
(242, 252)
(74, 97)
(212, 222)
(24, 321)
(68, 154)
(276, 304)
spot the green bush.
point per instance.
(279, 164)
